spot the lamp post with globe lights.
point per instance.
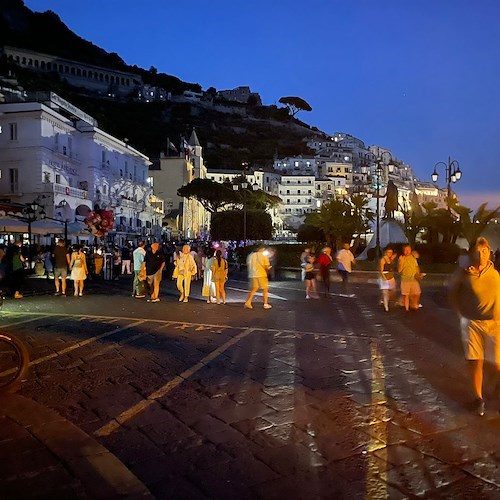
(452, 174)
(244, 186)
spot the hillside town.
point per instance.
(55, 154)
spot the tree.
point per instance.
(341, 219)
(310, 234)
(472, 228)
(212, 195)
(295, 104)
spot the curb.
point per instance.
(101, 473)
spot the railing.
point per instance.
(71, 191)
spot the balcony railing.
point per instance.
(70, 191)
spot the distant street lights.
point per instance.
(244, 187)
(452, 174)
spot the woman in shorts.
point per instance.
(387, 281)
(310, 277)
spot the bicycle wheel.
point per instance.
(14, 362)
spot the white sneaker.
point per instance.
(267, 306)
(307, 297)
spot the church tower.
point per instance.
(195, 156)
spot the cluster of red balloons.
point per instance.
(100, 222)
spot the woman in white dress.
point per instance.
(79, 271)
(208, 285)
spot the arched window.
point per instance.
(24, 60)
(101, 77)
(106, 78)
(78, 72)
(17, 59)
(66, 69)
(42, 64)
(61, 68)
(84, 73)
(30, 62)
(72, 70)
(36, 63)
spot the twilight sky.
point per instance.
(421, 78)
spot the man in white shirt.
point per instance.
(258, 265)
(345, 260)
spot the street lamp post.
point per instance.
(244, 186)
(379, 170)
(452, 174)
(32, 211)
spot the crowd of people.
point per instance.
(475, 288)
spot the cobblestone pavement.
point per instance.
(329, 398)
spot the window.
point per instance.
(14, 180)
(70, 146)
(287, 191)
(121, 172)
(58, 178)
(13, 131)
(64, 150)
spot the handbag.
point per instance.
(175, 274)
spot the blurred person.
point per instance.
(304, 258)
(117, 261)
(186, 268)
(310, 277)
(324, 264)
(208, 290)
(61, 258)
(125, 251)
(219, 276)
(387, 280)
(475, 296)
(47, 262)
(258, 266)
(155, 262)
(78, 267)
(138, 255)
(409, 272)
(16, 263)
(345, 260)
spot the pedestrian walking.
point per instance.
(219, 276)
(387, 279)
(324, 264)
(78, 267)
(139, 286)
(186, 269)
(345, 260)
(47, 262)
(125, 254)
(475, 295)
(155, 262)
(258, 266)
(304, 258)
(410, 274)
(117, 262)
(17, 264)
(310, 277)
(60, 255)
(208, 290)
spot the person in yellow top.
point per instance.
(409, 272)
(219, 276)
(475, 295)
(258, 265)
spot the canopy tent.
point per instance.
(12, 225)
(78, 228)
(390, 232)
(45, 226)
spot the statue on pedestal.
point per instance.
(391, 200)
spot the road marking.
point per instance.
(41, 316)
(83, 343)
(271, 295)
(135, 410)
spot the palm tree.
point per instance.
(472, 228)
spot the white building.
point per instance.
(105, 81)
(298, 165)
(53, 153)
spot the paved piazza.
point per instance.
(328, 398)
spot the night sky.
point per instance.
(419, 77)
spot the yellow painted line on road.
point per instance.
(40, 316)
(135, 410)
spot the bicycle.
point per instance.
(14, 361)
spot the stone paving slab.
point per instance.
(44, 454)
